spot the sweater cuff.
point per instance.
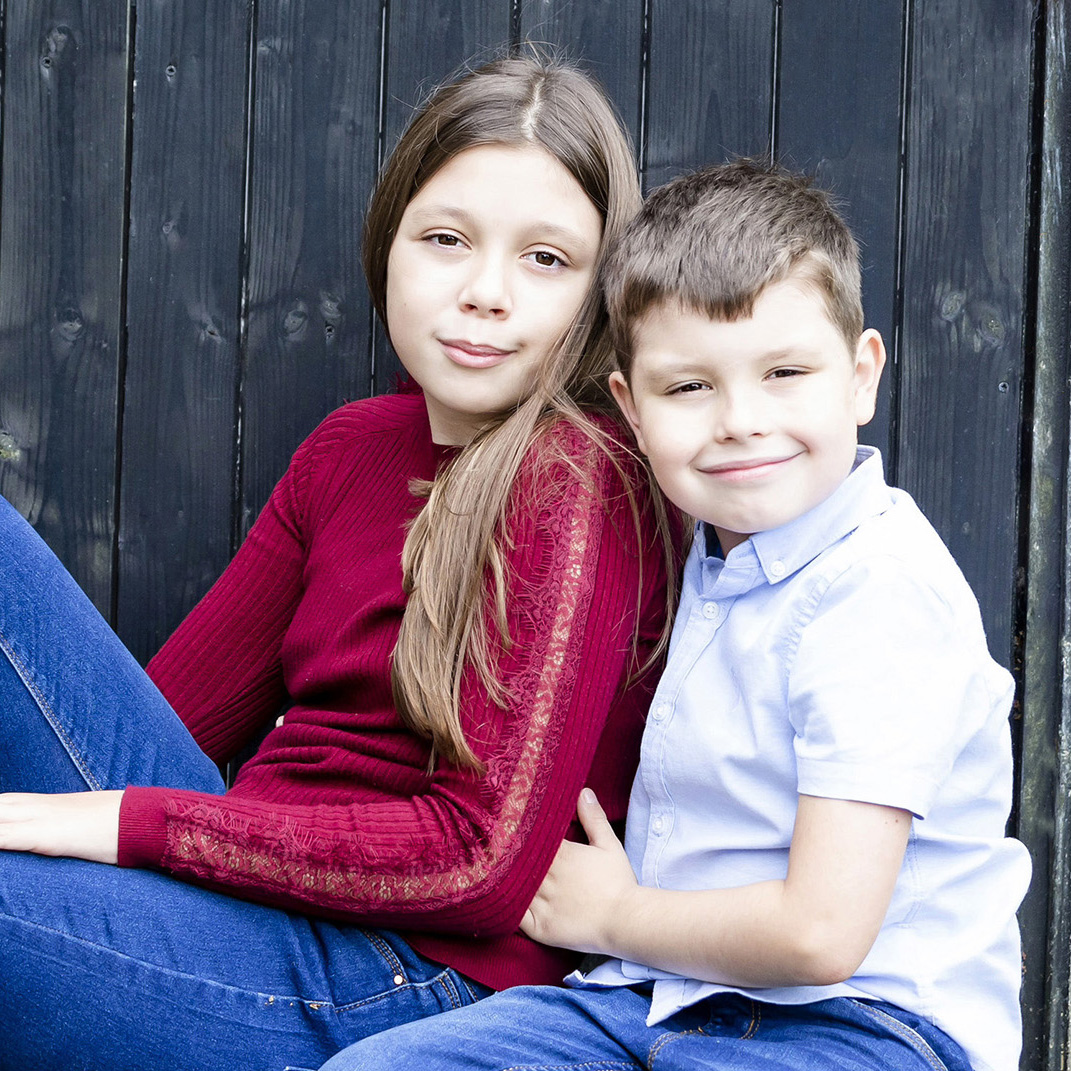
(142, 827)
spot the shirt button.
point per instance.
(710, 609)
(777, 568)
(661, 711)
(658, 825)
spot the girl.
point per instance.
(457, 593)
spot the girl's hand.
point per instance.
(585, 890)
(82, 825)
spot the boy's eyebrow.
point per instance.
(546, 229)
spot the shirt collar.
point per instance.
(782, 551)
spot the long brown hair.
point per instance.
(454, 544)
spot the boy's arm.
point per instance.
(813, 928)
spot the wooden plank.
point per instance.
(313, 151)
(185, 252)
(710, 83)
(962, 358)
(605, 36)
(425, 44)
(838, 117)
(64, 153)
(1044, 804)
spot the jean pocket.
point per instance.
(951, 1057)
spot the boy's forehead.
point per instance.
(786, 318)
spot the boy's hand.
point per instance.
(586, 888)
(82, 825)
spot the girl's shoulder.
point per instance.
(394, 421)
(382, 414)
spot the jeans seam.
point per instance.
(664, 1040)
(756, 1022)
(24, 675)
(447, 982)
(385, 950)
(595, 1065)
(474, 997)
(170, 972)
(920, 1044)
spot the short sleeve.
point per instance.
(887, 684)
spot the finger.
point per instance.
(593, 819)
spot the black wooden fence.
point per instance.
(180, 298)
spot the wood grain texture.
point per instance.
(710, 84)
(962, 358)
(313, 163)
(427, 43)
(838, 118)
(185, 259)
(1044, 796)
(61, 240)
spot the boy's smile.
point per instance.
(750, 423)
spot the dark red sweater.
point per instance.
(336, 814)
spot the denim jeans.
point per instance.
(130, 970)
(538, 1029)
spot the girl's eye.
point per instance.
(546, 259)
(448, 241)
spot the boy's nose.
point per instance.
(486, 287)
(739, 416)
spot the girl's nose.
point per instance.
(485, 290)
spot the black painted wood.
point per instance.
(838, 118)
(962, 356)
(710, 83)
(61, 241)
(313, 163)
(1044, 798)
(183, 332)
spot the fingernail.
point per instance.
(588, 796)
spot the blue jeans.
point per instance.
(132, 970)
(538, 1029)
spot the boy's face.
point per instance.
(749, 424)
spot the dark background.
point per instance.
(181, 189)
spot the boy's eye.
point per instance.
(687, 388)
(785, 373)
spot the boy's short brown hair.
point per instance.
(712, 240)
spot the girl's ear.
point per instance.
(869, 361)
(619, 388)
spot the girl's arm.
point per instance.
(813, 928)
(463, 852)
(466, 852)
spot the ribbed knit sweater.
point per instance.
(336, 815)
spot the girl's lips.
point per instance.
(471, 354)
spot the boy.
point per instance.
(816, 873)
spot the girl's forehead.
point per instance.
(504, 185)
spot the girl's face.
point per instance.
(492, 259)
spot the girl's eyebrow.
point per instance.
(544, 229)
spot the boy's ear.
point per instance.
(619, 388)
(869, 361)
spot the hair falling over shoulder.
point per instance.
(454, 568)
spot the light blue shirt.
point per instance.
(841, 655)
